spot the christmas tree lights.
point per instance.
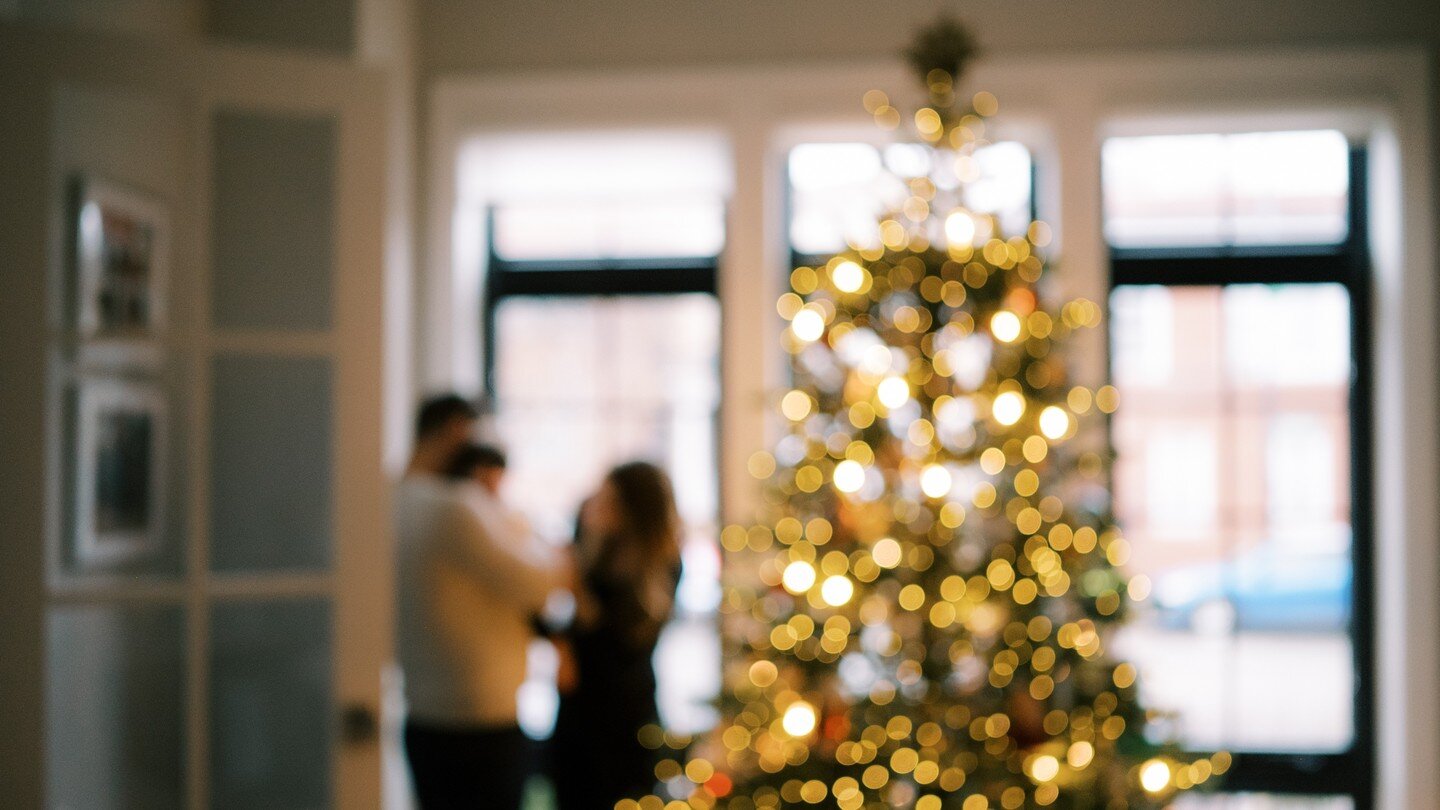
(919, 618)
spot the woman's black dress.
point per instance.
(596, 756)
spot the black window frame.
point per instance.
(1349, 773)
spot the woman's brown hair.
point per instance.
(645, 551)
(648, 502)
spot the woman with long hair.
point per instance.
(627, 555)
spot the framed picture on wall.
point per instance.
(119, 476)
(122, 245)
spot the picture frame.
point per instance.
(121, 272)
(119, 507)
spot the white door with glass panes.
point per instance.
(236, 662)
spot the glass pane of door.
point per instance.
(270, 723)
(270, 711)
(116, 698)
(270, 464)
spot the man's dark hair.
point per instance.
(438, 411)
(474, 457)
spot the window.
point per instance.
(1143, 336)
(1268, 188)
(838, 191)
(603, 346)
(1238, 331)
(600, 197)
(1182, 479)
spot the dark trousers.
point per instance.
(468, 768)
(595, 758)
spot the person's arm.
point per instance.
(511, 565)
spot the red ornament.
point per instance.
(719, 785)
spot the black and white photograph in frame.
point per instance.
(122, 245)
(119, 471)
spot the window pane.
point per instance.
(584, 383)
(838, 191)
(271, 722)
(1268, 334)
(999, 183)
(1269, 188)
(1233, 486)
(598, 195)
(115, 710)
(610, 228)
(1143, 336)
(271, 434)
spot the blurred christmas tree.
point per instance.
(921, 619)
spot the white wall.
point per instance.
(508, 36)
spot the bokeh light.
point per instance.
(1005, 326)
(763, 673)
(849, 476)
(1054, 423)
(935, 481)
(960, 228)
(894, 392)
(795, 405)
(1008, 408)
(1155, 776)
(799, 719)
(836, 590)
(886, 552)
(848, 277)
(1044, 768)
(808, 325)
(799, 576)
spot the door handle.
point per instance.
(358, 724)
